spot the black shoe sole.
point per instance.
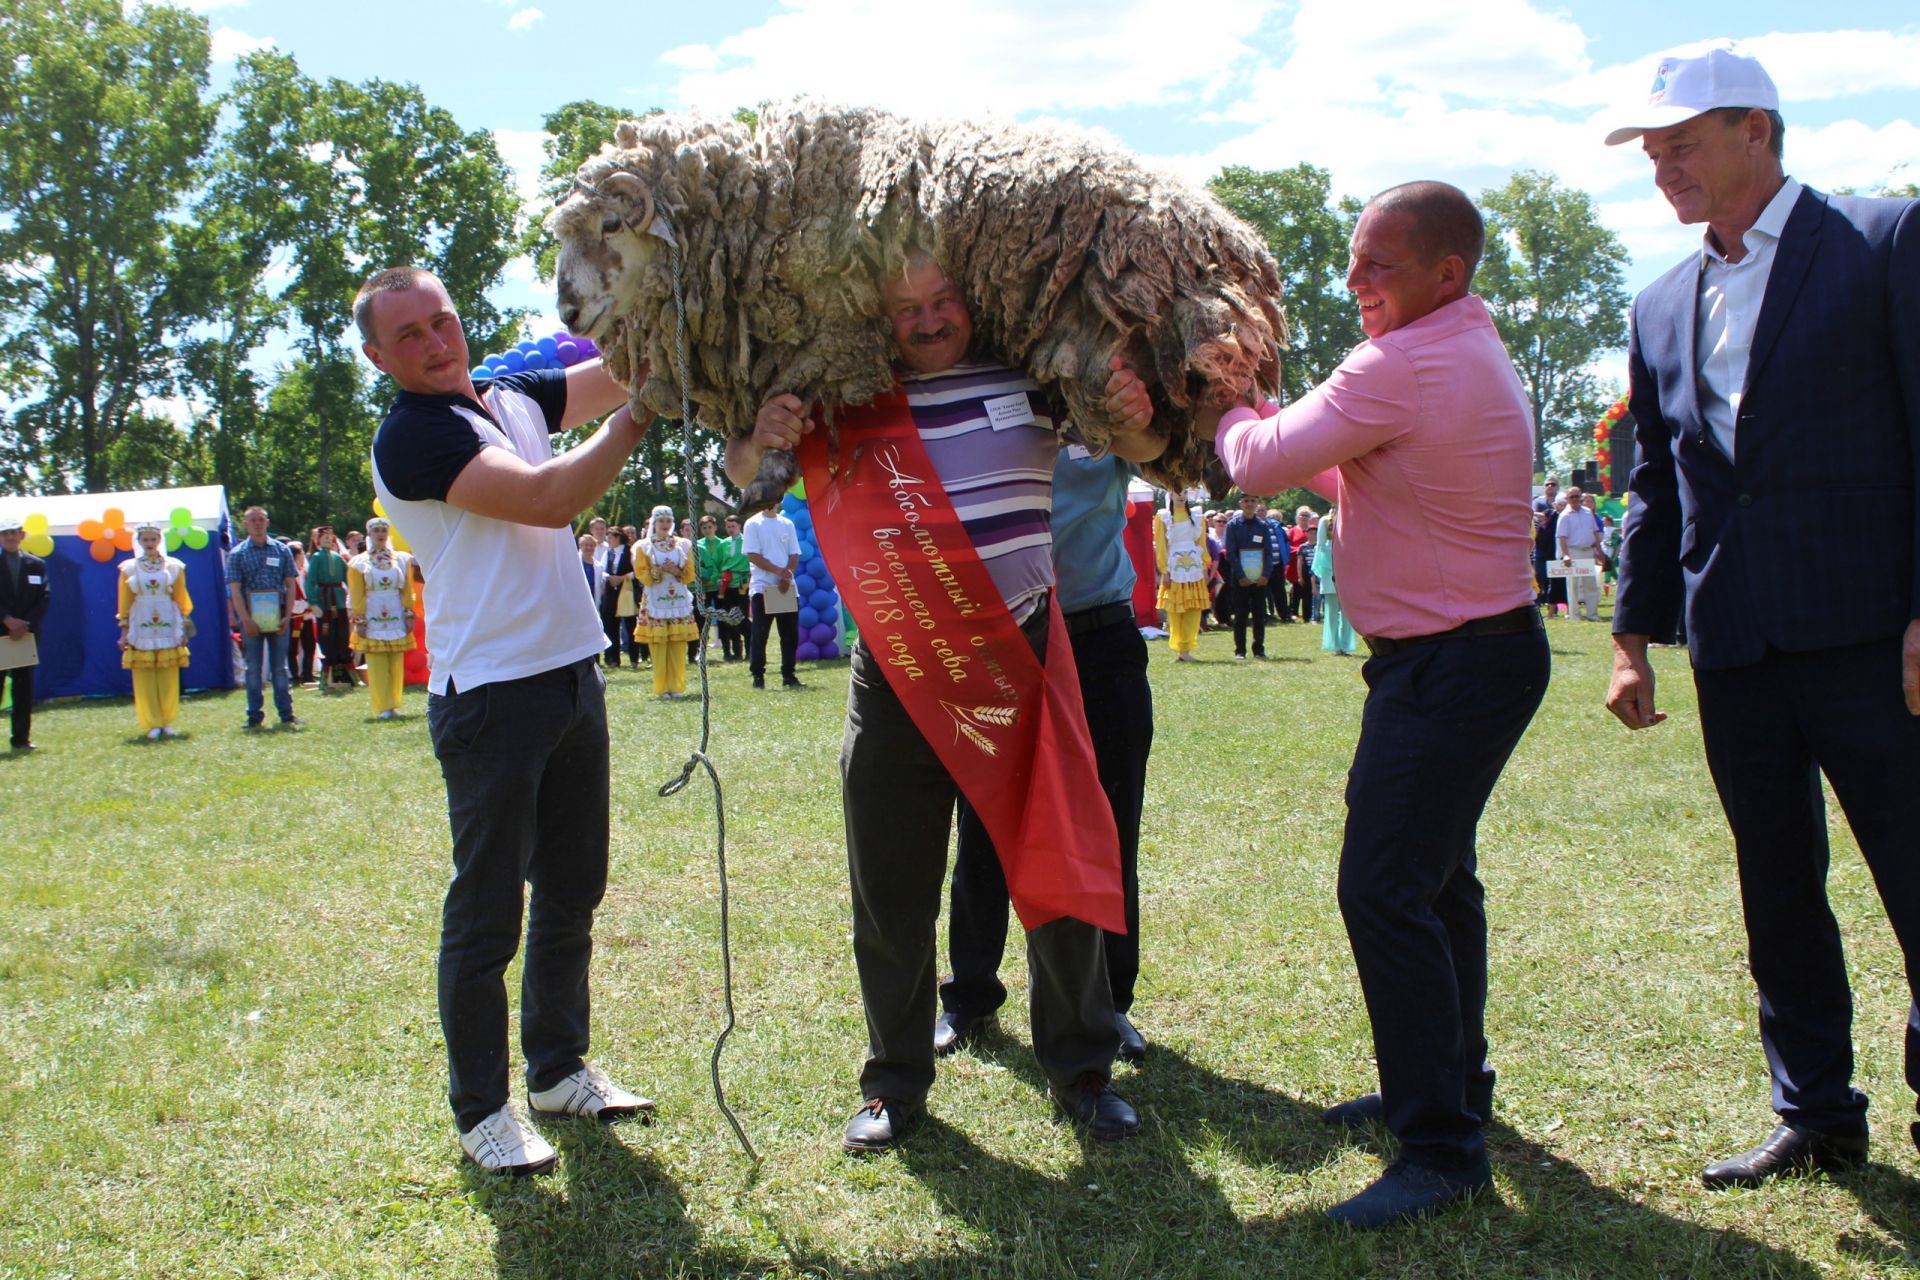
(606, 1115)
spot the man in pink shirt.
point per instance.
(1424, 439)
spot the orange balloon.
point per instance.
(114, 517)
(101, 550)
(91, 529)
(123, 538)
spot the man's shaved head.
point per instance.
(1441, 221)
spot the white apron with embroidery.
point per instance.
(668, 600)
(1186, 550)
(386, 598)
(153, 620)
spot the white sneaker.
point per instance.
(588, 1092)
(168, 731)
(502, 1144)
(153, 735)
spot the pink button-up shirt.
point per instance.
(1425, 439)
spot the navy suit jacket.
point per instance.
(1826, 446)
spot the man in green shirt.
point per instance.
(723, 569)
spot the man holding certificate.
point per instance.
(258, 571)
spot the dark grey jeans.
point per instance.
(899, 801)
(525, 762)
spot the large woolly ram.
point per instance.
(1068, 254)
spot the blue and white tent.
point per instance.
(79, 641)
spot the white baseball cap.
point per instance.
(1687, 83)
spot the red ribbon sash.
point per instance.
(1012, 733)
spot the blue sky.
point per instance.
(1377, 92)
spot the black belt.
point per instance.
(1101, 615)
(1512, 622)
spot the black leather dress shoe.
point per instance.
(1133, 1045)
(880, 1124)
(951, 1030)
(1096, 1109)
(1357, 1113)
(1786, 1151)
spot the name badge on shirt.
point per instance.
(274, 561)
(1013, 410)
(33, 579)
(1079, 452)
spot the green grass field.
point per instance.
(224, 1060)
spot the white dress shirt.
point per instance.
(1730, 297)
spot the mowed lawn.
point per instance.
(222, 1056)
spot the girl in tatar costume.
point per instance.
(1180, 554)
(664, 565)
(154, 630)
(380, 605)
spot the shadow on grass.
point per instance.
(610, 1210)
(1892, 1200)
(1150, 1206)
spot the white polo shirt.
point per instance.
(769, 534)
(503, 599)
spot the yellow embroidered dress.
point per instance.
(380, 590)
(1180, 552)
(154, 604)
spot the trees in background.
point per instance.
(151, 262)
(1555, 281)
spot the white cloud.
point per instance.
(1007, 57)
(522, 150)
(229, 45)
(524, 18)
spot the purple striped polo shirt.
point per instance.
(990, 436)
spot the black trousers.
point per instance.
(1439, 723)
(302, 641)
(1302, 593)
(525, 763)
(1112, 661)
(899, 802)
(1771, 729)
(336, 644)
(1249, 605)
(610, 623)
(733, 636)
(763, 622)
(22, 678)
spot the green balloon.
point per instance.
(196, 538)
(181, 518)
(173, 539)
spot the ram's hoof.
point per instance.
(776, 475)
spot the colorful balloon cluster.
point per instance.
(38, 541)
(819, 600)
(182, 531)
(1603, 432)
(107, 534)
(557, 350)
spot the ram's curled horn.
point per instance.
(1067, 253)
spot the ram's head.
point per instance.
(606, 241)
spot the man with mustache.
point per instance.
(988, 437)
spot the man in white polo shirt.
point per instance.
(517, 705)
(1577, 533)
(772, 547)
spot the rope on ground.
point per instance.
(699, 758)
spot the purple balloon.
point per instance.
(569, 353)
(829, 650)
(588, 347)
(823, 633)
(807, 651)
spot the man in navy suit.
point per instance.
(1775, 378)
